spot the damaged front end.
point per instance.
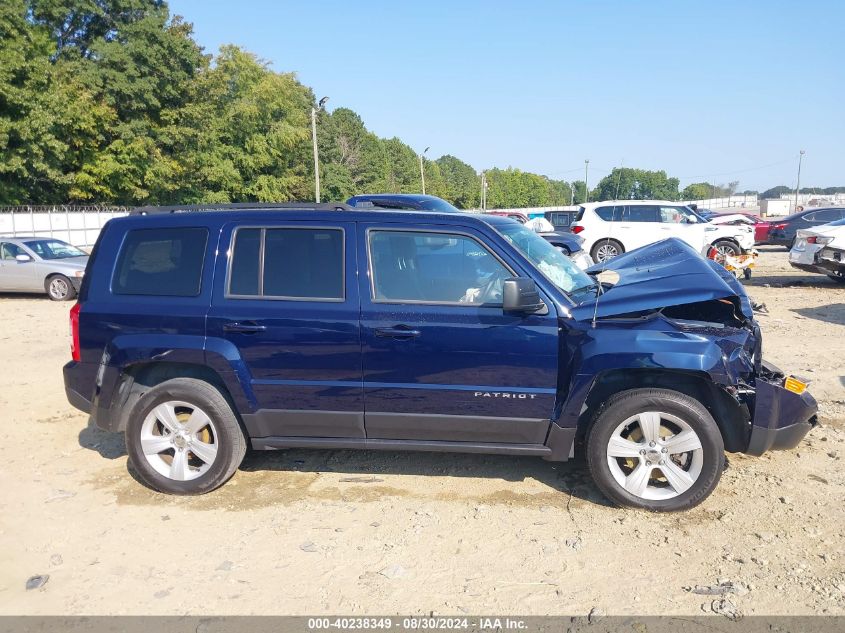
(668, 290)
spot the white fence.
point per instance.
(77, 225)
(816, 199)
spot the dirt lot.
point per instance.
(363, 532)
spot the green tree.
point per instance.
(462, 183)
(627, 183)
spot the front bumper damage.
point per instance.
(781, 417)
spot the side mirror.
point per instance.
(520, 296)
(23, 258)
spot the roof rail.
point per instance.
(243, 206)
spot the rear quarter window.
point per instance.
(165, 262)
(607, 213)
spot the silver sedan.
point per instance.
(37, 264)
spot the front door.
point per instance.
(286, 300)
(15, 275)
(441, 361)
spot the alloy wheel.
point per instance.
(58, 288)
(655, 455)
(606, 252)
(179, 440)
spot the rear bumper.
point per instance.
(781, 418)
(73, 375)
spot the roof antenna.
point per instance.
(607, 241)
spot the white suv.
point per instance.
(613, 227)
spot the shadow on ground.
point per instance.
(366, 467)
(832, 313)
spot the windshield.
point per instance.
(556, 266)
(54, 249)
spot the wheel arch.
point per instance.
(731, 417)
(139, 378)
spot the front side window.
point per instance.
(423, 267)
(164, 262)
(298, 264)
(677, 215)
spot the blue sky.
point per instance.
(707, 90)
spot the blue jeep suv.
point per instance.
(201, 331)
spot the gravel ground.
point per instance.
(363, 532)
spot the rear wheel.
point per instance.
(184, 438)
(655, 449)
(59, 288)
(605, 250)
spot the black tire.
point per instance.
(59, 288)
(728, 247)
(626, 404)
(603, 245)
(838, 277)
(230, 439)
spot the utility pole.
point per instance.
(422, 171)
(320, 105)
(571, 194)
(483, 191)
(587, 180)
(798, 181)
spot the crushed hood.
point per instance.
(666, 273)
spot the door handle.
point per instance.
(398, 332)
(247, 327)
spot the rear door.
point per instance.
(286, 299)
(441, 361)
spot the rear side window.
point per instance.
(641, 213)
(287, 263)
(824, 215)
(163, 262)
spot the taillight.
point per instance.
(74, 332)
(819, 239)
(778, 227)
(576, 228)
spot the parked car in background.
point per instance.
(567, 243)
(783, 232)
(761, 226)
(200, 333)
(38, 265)
(614, 227)
(561, 220)
(821, 250)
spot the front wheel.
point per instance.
(59, 288)
(655, 449)
(726, 247)
(183, 438)
(838, 277)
